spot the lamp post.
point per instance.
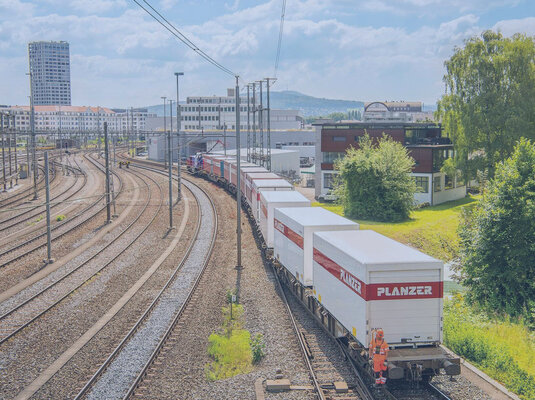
(164, 124)
(178, 126)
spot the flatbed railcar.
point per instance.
(413, 356)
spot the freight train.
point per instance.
(352, 281)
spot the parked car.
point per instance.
(328, 197)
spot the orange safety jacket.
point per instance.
(378, 352)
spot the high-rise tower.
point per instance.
(51, 72)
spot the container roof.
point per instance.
(283, 195)
(271, 183)
(370, 247)
(315, 216)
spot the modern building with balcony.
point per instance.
(423, 141)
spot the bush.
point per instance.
(504, 350)
(60, 217)
(375, 182)
(258, 346)
(232, 354)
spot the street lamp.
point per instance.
(178, 126)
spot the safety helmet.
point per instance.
(380, 333)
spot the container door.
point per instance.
(407, 305)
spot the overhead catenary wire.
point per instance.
(183, 38)
(281, 29)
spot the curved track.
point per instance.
(72, 220)
(165, 311)
(15, 320)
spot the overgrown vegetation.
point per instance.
(505, 350)
(374, 181)
(432, 230)
(60, 217)
(489, 102)
(233, 349)
(498, 239)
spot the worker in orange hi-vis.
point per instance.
(379, 352)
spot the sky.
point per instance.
(341, 49)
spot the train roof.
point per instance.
(314, 216)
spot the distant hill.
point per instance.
(291, 100)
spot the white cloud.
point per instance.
(512, 26)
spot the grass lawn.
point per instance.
(432, 230)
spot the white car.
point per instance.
(328, 197)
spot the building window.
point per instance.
(422, 182)
(328, 180)
(437, 187)
(339, 138)
(448, 184)
(330, 156)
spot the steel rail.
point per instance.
(149, 309)
(28, 191)
(28, 217)
(67, 221)
(109, 262)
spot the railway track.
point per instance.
(27, 214)
(84, 219)
(19, 196)
(127, 366)
(26, 312)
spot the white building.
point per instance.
(78, 118)
(50, 72)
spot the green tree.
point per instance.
(374, 181)
(489, 104)
(498, 239)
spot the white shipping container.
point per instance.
(246, 185)
(278, 199)
(233, 178)
(368, 281)
(261, 185)
(292, 244)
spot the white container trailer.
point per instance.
(262, 185)
(231, 177)
(271, 200)
(368, 281)
(293, 232)
(244, 172)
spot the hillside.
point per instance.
(290, 100)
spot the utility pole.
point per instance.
(238, 178)
(178, 126)
(132, 132)
(9, 154)
(49, 259)
(248, 124)
(199, 113)
(225, 139)
(268, 160)
(254, 122)
(32, 123)
(107, 155)
(16, 151)
(3, 150)
(164, 128)
(170, 165)
(261, 125)
(171, 130)
(98, 126)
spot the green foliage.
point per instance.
(504, 350)
(258, 347)
(233, 349)
(491, 84)
(498, 239)
(432, 230)
(232, 354)
(60, 217)
(375, 182)
(338, 116)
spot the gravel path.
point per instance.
(117, 379)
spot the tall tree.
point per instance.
(498, 238)
(374, 180)
(489, 104)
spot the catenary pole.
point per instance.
(248, 124)
(33, 145)
(107, 155)
(261, 125)
(170, 166)
(178, 127)
(49, 258)
(268, 147)
(238, 178)
(3, 151)
(254, 123)
(16, 151)
(164, 98)
(9, 140)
